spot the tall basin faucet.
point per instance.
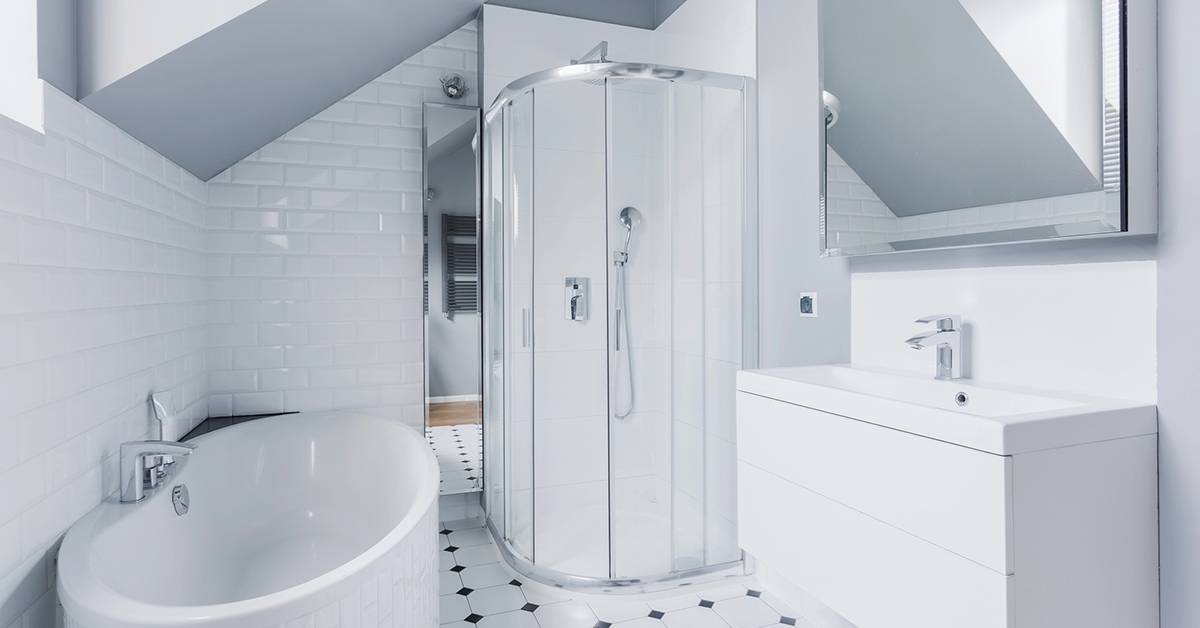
(948, 340)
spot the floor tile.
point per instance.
(644, 622)
(511, 619)
(495, 600)
(478, 593)
(746, 612)
(566, 615)
(613, 612)
(470, 537)
(448, 583)
(477, 555)
(484, 576)
(454, 608)
(779, 605)
(675, 603)
(695, 617)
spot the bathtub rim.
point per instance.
(90, 602)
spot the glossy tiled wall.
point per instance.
(102, 290)
(314, 253)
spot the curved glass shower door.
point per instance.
(618, 226)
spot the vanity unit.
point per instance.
(901, 501)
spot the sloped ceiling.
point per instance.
(213, 101)
(932, 118)
(210, 102)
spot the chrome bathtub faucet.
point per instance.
(134, 474)
(948, 341)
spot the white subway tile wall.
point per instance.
(314, 253)
(102, 301)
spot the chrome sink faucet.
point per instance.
(947, 339)
(134, 480)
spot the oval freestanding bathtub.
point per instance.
(315, 519)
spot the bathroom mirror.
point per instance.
(953, 123)
(453, 417)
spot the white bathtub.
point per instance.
(322, 519)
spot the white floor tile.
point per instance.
(613, 612)
(512, 619)
(484, 576)
(449, 583)
(566, 615)
(778, 605)
(746, 612)
(675, 602)
(496, 600)
(470, 538)
(644, 622)
(695, 617)
(454, 608)
(478, 555)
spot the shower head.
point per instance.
(832, 107)
(631, 218)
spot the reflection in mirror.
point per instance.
(966, 122)
(452, 323)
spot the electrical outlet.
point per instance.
(808, 304)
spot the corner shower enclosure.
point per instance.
(620, 252)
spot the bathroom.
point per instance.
(245, 209)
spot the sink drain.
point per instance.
(961, 398)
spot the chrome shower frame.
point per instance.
(750, 312)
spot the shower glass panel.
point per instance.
(518, 356)
(613, 432)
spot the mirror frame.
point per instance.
(1139, 137)
(478, 113)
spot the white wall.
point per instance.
(1178, 302)
(315, 248)
(103, 283)
(116, 37)
(1086, 328)
(20, 89)
(789, 208)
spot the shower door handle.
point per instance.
(526, 327)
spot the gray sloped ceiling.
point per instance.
(220, 97)
(211, 102)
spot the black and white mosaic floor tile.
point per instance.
(459, 451)
(479, 591)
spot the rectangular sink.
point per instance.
(990, 417)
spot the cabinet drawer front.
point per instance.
(952, 496)
(869, 572)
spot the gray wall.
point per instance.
(1178, 304)
(453, 343)
(789, 212)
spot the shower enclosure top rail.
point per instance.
(612, 70)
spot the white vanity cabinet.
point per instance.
(893, 524)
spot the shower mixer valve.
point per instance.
(576, 302)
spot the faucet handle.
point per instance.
(945, 322)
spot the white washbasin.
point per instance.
(995, 418)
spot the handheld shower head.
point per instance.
(631, 218)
